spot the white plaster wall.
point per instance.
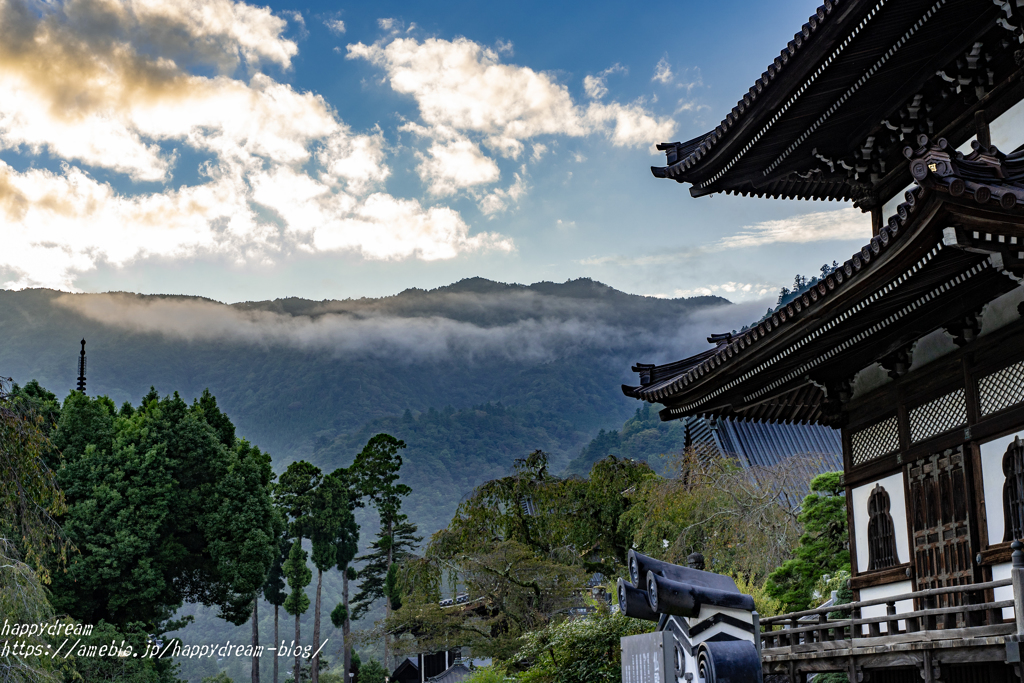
(992, 479)
(1001, 311)
(889, 589)
(1000, 572)
(893, 485)
(1006, 130)
(869, 379)
(931, 347)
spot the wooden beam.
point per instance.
(981, 129)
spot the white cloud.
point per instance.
(500, 199)
(663, 71)
(282, 172)
(595, 87)
(734, 291)
(386, 24)
(451, 165)
(522, 325)
(841, 224)
(464, 91)
(384, 227)
(336, 26)
(504, 47)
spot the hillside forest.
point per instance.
(473, 465)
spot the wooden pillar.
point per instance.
(981, 128)
(876, 220)
(893, 625)
(929, 670)
(1017, 575)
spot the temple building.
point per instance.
(912, 347)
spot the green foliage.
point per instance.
(162, 510)
(574, 518)
(391, 589)
(376, 469)
(338, 615)
(488, 674)
(221, 677)
(23, 600)
(525, 544)
(372, 672)
(765, 604)
(124, 669)
(332, 527)
(736, 517)
(30, 498)
(584, 650)
(643, 437)
(295, 493)
(274, 589)
(823, 548)
(298, 575)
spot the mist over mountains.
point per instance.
(471, 375)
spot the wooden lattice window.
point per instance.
(1013, 491)
(881, 531)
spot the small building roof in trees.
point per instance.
(453, 674)
(956, 244)
(829, 117)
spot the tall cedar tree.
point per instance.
(331, 524)
(824, 547)
(346, 545)
(298, 575)
(377, 467)
(274, 588)
(166, 506)
(297, 498)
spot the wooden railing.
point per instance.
(971, 611)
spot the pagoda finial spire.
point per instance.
(81, 369)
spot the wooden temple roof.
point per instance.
(829, 118)
(955, 244)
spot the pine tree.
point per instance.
(377, 467)
(824, 547)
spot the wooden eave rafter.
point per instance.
(955, 245)
(826, 120)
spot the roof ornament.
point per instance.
(81, 369)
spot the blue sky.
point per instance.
(246, 152)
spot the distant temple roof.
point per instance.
(829, 118)
(759, 444)
(810, 449)
(956, 244)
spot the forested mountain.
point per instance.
(470, 375)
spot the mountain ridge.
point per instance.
(307, 380)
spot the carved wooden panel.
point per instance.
(881, 531)
(940, 517)
(1013, 491)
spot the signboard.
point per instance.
(648, 658)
